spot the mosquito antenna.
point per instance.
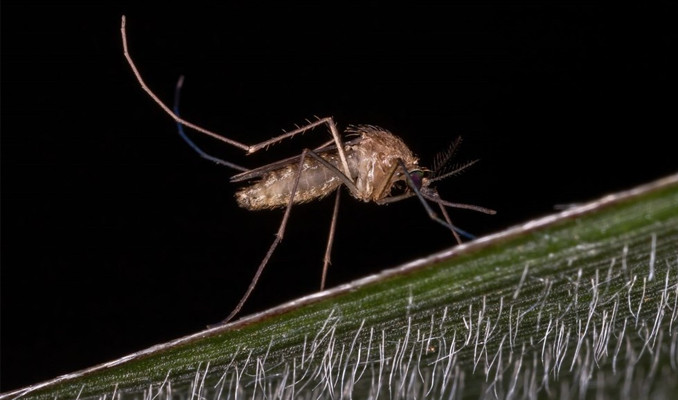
(201, 152)
(442, 158)
(457, 169)
(162, 105)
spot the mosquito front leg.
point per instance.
(432, 214)
(449, 222)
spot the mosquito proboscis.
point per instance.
(372, 163)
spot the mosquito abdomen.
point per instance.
(274, 188)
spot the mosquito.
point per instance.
(372, 163)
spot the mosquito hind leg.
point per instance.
(144, 86)
(201, 152)
(329, 121)
(248, 148)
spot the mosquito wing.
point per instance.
(264, 169)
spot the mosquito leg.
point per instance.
(329, 121)
(379, 191)
(345, 179)
(432, 214)
(201, 152)
(162, 105)
(278, 237)
(441, 203)
(432, 195)
(449, 222)
(330, 239)
(249, 149)
(283, 224)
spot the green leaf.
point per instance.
(577, 304)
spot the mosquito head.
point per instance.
(427, 177)
(422, 179)
(418, 178)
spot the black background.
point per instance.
(116, 236)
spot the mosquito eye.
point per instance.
(417, 177)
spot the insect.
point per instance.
(372, 163)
